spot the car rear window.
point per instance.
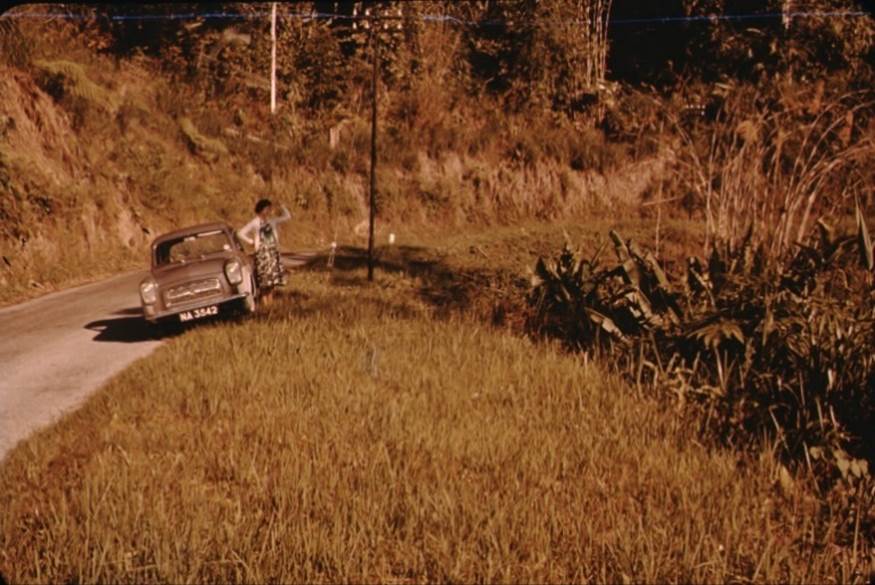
(191, 248)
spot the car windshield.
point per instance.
(191, 248)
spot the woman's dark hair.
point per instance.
(262, 205)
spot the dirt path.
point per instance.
(58, 349)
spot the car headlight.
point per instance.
(149, 291)
(234, 271)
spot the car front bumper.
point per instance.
(152, 314)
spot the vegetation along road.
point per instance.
(617, 325)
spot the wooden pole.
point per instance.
(375, 39)
(273, 59)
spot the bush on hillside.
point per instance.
(68, 83)
(208, 148)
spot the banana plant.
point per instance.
(785, 347)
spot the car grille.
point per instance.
(192, 291)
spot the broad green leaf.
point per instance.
(606, 323)
(657, 270)
(619, 246)
(865, 242)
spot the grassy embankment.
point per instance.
(350, 435)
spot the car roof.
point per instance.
(190, 231)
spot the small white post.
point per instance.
(273, 59)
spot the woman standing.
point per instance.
(265, 237)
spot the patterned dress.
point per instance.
(268, 265)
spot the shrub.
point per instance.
(765, 347)
(781, 165)
(68, 83)
(209, 148)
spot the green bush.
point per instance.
(785, 349)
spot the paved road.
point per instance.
(58, 349)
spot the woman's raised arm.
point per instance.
(286, 216)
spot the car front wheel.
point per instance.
(249, 302)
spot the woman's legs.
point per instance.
(280, 270)
(269, 272)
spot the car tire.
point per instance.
(250, 305)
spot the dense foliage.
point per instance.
(785, 349)
(555, 53)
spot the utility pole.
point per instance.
(372, 215)
(375, 23)
(273, 97)
(273, 59)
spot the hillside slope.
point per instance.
(99, 156)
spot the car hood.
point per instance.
(179, 272)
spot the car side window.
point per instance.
(162, 255)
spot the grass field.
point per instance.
(362, 434)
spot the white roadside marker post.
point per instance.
(331, 254)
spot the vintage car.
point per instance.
(197, 272)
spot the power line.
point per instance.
(740, 17)
(438, 17)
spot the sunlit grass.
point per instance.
(347, 435)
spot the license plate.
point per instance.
(199, 313)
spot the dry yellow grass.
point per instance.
(348, 436)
